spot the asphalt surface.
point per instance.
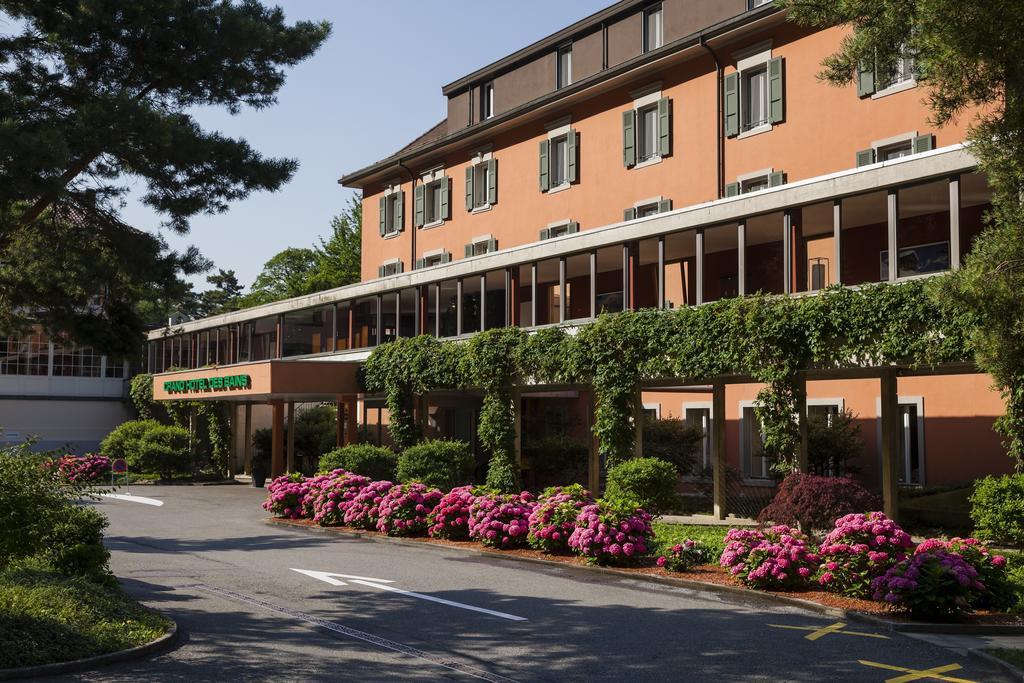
(207, 559)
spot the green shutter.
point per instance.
(731, 96)
(922, 143)
(732, 189)
(545, 167)
(571, 152)
(446, 257)
(865, 157)
(383, 216)
(545, 233)
(776, 178)
(574, 227)
(492, 245)
(492, 181)
(400, 211)
(469, 188)
(419, 264)
(629, 138)
(664, 205)
(865, 78)
(417, 195)
(629, 214)
(664, 126)
(446, 207)
(380, 271)
(776, 90)
(469, 250)
(401, 266)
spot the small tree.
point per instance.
(833, 444)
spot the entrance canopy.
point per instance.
(272, 380)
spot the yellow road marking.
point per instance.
(916, 675)
(820, 632)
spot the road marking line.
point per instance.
(335, 627)
(838, 627)
(442, 601)
(328, 577)
(134, 499)
(916, 675)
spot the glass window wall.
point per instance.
(721, 262)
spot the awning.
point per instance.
(273, 380)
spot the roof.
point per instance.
(431, 135)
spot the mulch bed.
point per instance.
(708, 573)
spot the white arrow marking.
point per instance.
(328, 577)
(134, 499)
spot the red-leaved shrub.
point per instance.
(814, 503)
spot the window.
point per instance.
(922, 230)
(432, 204)
(911, 457)
(28, 355)
(900, 149)
(755, 182)
(646, 129)
(487, 101)
(647, 133)
(819, 273)
(558, 155)
(754, 97)
(754, 88)
(432, 200)
(756, 465)
(481, 183)
(391, 214)
(559, 229)
(698, 416)
(434, 259)
(390, 268)
(563, 75)
(902, 71)
(753, 4)
(653, 28)
(114, 368)
(823, 414)
(875, 82)
(559, 161)
(481, 245)
(647, 210)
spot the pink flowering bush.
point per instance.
(933, 584)
(82, 470)
(777, 559)
(683, 556)
(999, 593)
(501, 520)
(334, 494)
(403, 510)
(450, 517)
(861, 548)
(363, 511)
(286, 495)
(554, 517)
(611, 533)
(314, 483)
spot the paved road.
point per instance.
(206, 558)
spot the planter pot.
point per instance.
(259, 476)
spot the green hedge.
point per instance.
(375, 462)
(649, 483)
(165, 450)
(123, 441)
(439, 464)
(997, 508)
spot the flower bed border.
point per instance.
(888, 625)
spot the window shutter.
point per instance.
(922, 143)
(545, 233)
(629, 138)
(571, 148)
(383, 216)
(732, 189)
(469, 250)
(401, 266)
(417, 195)
(776, 90)
(731, 96)
(865, 157)
(492, 181)
(664, 126)
(492, 245)
(469, 188)
(776, 178)
(446, 257)
(419, 264)
(446, 207)
(664, 205)
(380, 271)
(544, 166)
(574, 227)
(865, 79)
(400, 211)
(629, 214)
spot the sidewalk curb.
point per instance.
(887, 625)
(154, 647)
(992, 660)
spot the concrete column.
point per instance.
(291, 436)
(801, 417)
(247, 445)
(277, 464)
(890, 443)
(594, 452)
(718, 448)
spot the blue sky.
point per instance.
(373, 87)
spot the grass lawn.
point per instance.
(666, 535)
(1015, 657)
(46, 617)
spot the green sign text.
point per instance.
(205, 384)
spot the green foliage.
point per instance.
(316, 431)
(165, 450)
(555, 460)
(74, 544)
(440, 464)
(667, 535)
(997, 508)
(285, 275)
(338, 258)
(141, 392)
(48, 617)
(224, 296)
(649, 483)
(833, 444)
(124, 441)
(674, 441)
(376, 462)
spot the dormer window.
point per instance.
(487, 101)
(654, 35)
(563, 75)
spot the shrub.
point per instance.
(674, 441)
(124, 440)
(999, 593)
(450, 517)
(814, 503)
(74, 544)
(931, 585)
(439, 464)
(554, 517)
(363, 510)
(375, 462)
(997, 508)
(332, 494)
(777, 559)
(286, 496)
(165, 450)
(609, 532)
(684, 556)
(859, 549)
(404, 509)
(82, 470)
(833, 443)
(500, 520)
(648, 483)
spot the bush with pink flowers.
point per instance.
(82, 470)
(777, 559)
(286, 495)
(859, 549)
(933, 584)
(999, 593)
(554, 517)
(314, 484)
(363, 511)
(450, 517)
(501, 520)
(684, 556)
(333, 495)
(403, 510)
(611, 533)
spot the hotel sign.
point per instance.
(208, 384)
